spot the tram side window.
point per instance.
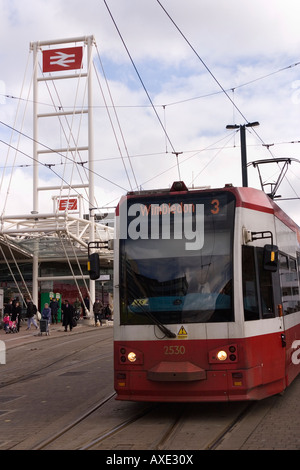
(257, 285)
(251, 310)
(266, 287)
(289, 284)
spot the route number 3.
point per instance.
(216, 206)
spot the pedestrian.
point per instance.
(97, 309)
(77, 308)
(8, 308)
(54, 310)
(46, 316)
(107, 312)
(62, 311)
(46, 313)
(6, 321)
(31, 311)
(7, 315)
(16, 313)
(68, 313)
(85, 305)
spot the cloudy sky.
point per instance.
(177, 72)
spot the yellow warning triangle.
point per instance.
(182, 332)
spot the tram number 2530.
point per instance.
(174, 350)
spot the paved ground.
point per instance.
(47, 382)
(24, 335)
(273, 424)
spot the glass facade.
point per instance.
(67, 288)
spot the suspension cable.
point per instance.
(139, 76)
(118, 121)
(12, 274)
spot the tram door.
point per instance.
(271, 302)
(278, 306)
(289, 289)
(262, 301)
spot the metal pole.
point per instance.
(90, 40)
(35, 128)
(244, 156)
(35, 259)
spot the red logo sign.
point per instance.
(67, 204)
(55, 60)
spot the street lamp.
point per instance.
(242, 128)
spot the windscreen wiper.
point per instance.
(160, 325)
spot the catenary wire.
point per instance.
(140, 78)
(217, 81)
(49, 166)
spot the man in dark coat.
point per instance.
(54, 310)
(68, 312)
(16, 313)
(97, 309)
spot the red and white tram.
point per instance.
(206, 301)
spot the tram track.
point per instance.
(172, 436)
(220, 438)
(50, 440)
(116, 429)
(53, 441)
(108, 424)
(50, 373)
(37, 371)
(163, 443)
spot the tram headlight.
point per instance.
(131, 357)
(222, 355)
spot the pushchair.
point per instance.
(9, 325)
(13, 327)
(44, 327)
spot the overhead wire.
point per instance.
(222, 89)
(12, 129)
(139, 77)
(202, 61)
(216, 80)
(172, 103)
(72, 270)
(17, 284)
(49, 166)
(118, 123)
(184, 160)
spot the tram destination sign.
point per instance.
(155, 221)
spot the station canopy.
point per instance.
(50, 237)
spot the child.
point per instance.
(6, 321)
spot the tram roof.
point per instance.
(247, 197)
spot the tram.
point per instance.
(206, 296)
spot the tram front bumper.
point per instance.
(176, 372)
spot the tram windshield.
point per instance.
(176, 258)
